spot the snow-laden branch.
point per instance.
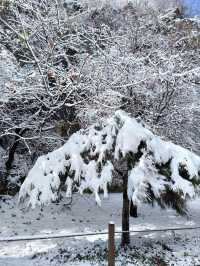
(157, 170)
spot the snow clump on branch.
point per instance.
(157, 170)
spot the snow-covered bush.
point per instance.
(157, 170)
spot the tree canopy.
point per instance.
(157, 170)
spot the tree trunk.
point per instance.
(8, 164)
(125, 213)
(133, 210)
(3, 183)
(12, 150)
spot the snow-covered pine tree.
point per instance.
(152, 169)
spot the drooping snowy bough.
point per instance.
(156, 170)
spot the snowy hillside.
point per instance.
(99, 122)
(67, 64)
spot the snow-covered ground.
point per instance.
(167, 248)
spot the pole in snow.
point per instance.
(111, 244)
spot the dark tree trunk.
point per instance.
(13, 148)
(8, 165)
(133, 210)
(3, 183)
(125, 213)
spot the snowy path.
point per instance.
(85, 216)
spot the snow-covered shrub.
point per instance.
(157, 170)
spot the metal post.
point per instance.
(111, 244)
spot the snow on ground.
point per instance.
(171, 248)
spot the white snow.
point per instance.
(119, 4)
(175, 248)
(87, 159)
(130, 135)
